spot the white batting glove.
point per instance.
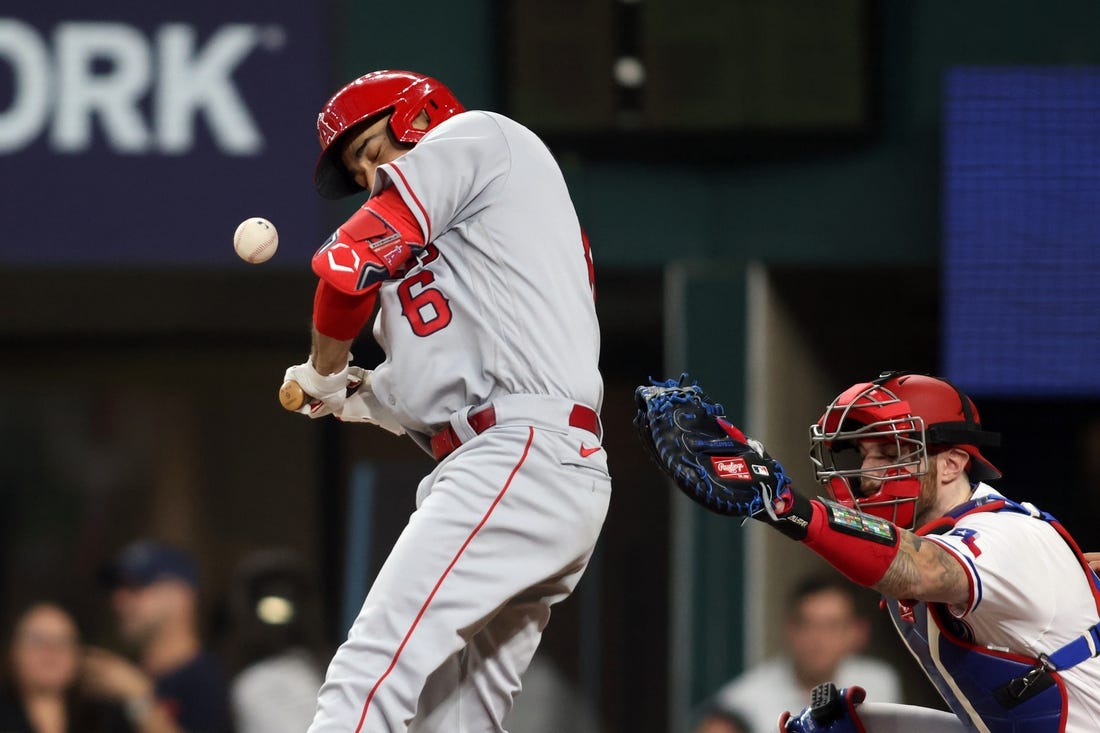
(326, 392)
(364, 406)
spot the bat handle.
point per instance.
(291, 396)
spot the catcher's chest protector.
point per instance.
(988, 690)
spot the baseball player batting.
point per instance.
(469, 244)
(992, 597)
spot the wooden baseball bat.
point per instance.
(292, 397)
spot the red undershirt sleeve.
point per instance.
(339, 315)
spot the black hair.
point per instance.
(814, 584)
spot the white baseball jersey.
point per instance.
(1029, 596)
(496, 311)
(502, 302)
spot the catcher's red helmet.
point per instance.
(404, 93)
(919, 414)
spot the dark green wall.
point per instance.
(878, 203)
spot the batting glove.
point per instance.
(363, 406)
(327, 392)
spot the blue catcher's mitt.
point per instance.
(709, 459)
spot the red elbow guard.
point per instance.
(371, 246)
(859, 545)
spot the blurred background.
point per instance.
(783, 196)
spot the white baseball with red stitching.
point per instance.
(255, 240)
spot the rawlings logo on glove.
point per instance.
(709, 459)
(732, 468)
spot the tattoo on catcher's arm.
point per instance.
(925, 571)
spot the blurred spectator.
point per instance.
(176, 685)
(278, 675)
(824, 633)
(714, 719)
(40, 694)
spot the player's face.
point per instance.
(369, 148)
(877, 459)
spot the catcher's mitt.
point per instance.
(709, 459)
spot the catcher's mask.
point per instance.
(404, 94)
(914, 416)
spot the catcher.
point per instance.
(992, 596)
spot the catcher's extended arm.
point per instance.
(716, 466)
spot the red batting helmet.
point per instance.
(920, 415)
(404, 93)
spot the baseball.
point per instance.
(255, 240)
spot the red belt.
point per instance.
(446, 441)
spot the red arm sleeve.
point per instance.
(339, 315)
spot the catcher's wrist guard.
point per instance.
(859, 545)
(791, 514)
